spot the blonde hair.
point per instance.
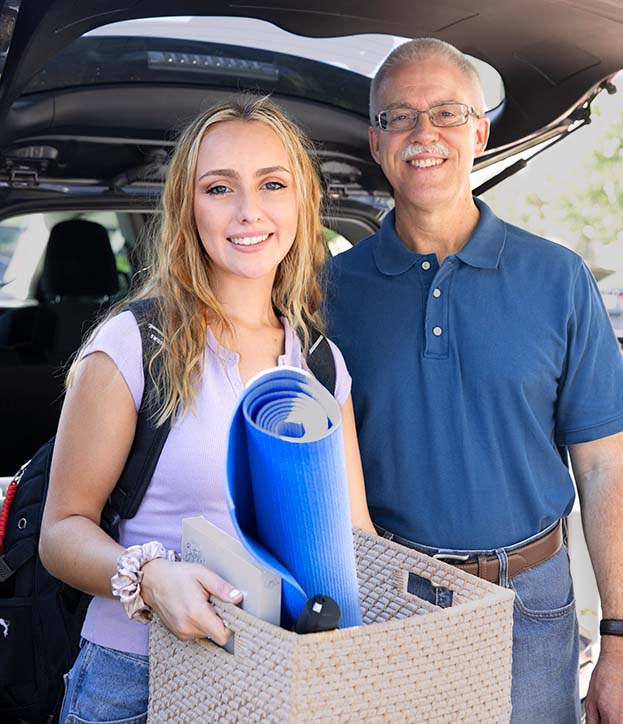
(178, 267)
(426, 49)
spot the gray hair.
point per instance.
(425, 49)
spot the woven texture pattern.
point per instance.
(410, 662)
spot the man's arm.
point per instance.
(598, 470)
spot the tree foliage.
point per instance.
(573, 192)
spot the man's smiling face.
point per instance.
(428, 167)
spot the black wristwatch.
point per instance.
(611, 627)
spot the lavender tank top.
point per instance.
(190, 475)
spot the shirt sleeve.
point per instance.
(590, 400)
(120, 338)
(342, 378)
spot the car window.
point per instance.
(231, 51)
(336, 242)
(10, 232)
(23, 241)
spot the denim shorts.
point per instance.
(106, 686)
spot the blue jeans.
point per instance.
(545, 644)
(545, 688)
(106, 686)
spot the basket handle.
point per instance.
(226, 612)
(427, 589)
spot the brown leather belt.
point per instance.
(488, 567)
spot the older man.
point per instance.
(480, 354)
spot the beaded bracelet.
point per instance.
(126, 583)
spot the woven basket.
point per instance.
(412, 662)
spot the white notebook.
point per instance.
(203, 542)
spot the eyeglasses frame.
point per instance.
(417, 113)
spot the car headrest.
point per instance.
(78, 262)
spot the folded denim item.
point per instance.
(287, 489)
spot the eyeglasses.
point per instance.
(445, 115)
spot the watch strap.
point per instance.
(611, 627)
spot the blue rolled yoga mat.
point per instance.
(287, 489)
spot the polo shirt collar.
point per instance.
(482, 250)
(390, 254)
(484, 247)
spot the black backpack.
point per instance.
(41, 617)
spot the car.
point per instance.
(91, 95)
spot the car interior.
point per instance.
(77, 282)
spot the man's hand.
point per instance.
(604, 702)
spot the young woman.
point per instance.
(234, 268)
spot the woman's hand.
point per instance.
(178, 593)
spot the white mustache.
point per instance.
(415, 149)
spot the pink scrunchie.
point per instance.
(126, 583)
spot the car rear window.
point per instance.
(235, 52)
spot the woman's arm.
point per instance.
(94, 437)
(356, 489)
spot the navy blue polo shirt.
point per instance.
(470, 378)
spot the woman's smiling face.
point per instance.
(245, 202)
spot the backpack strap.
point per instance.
(15, 558)
(320, 359)
(148, 440)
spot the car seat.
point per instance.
(78, 282)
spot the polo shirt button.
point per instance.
(426, 265)
(437, 331)
(437, 293)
